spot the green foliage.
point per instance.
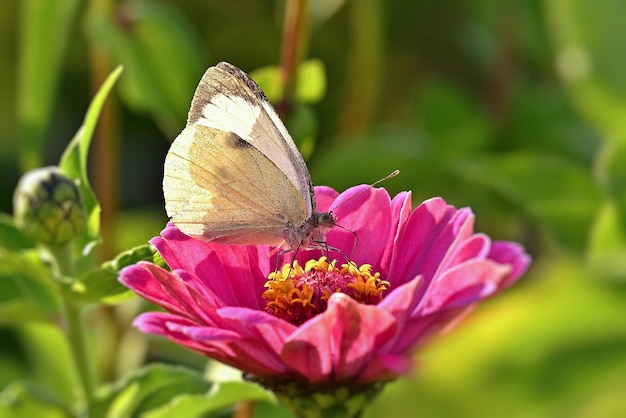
(44, 34)
(26, 403)
(219, 398)
(100, 284)
(162, 55)
(74, 164)
(150, 388)
(310, 82)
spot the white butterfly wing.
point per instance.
(219, 187)
(229, 100)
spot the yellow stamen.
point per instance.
(296, 294)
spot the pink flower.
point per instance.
(433, 268)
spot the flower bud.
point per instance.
(47, 206)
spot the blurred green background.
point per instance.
(515, 108)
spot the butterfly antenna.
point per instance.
(356, 238)
(387, 177)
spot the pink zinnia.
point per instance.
(324, 325)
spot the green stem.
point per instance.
(75, 331)
(294, 45)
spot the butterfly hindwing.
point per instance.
(229, 100)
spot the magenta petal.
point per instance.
(429, 233)
(403, 300)
(216, 266)
(465, 284)
(268, 329)
(513, 254)
(179, 250)
(400, 213)
(339, 343)
(171, 326)
(163, 288)
(324, 197)
(364, 214)
(387, 366)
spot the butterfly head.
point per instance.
(311, 233)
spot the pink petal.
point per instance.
(429, 233)
(512, 254)
(403, 300)
(366, 212)
(324, 197)
(164, 289)
(400, 213)
(387, 367)
(464, 285)
(339, 343)
(243, 352)
(216, 266)
(269, 330)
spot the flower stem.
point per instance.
(75, 330)
(294, 45)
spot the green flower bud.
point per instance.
(47, 206)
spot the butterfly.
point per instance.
(234, 174)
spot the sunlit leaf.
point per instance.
(102, 285)
(310, 81)
(19, 400)
(151, 387)
(269, 79)
(26, 289)
(11, 237)
(74, 163)
(221, 396)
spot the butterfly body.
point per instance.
(234, 175)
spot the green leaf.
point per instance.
(455, 122)
(310, 81)
(163, 56)
(557, 193)
(11, 237)
(149, 388)
(74, 163)
(221, 396)
(607, 246)
(19, 400)
(607, 252)
(268, 78)
(101, 285)
(134, 255)
(26, 291)
(614, 169)
(44, 27)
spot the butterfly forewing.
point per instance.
(227, 99)
(217, 186)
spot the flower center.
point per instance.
(296, 294)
